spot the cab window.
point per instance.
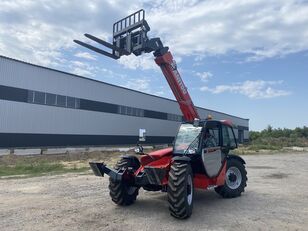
(228, 138)
(232, 138)
(211, 138)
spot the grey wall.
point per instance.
(27, 118)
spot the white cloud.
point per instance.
(82, 72)
(258, 89)
(42, 31)
(82, 68)
(204, 76)
(138, 85)
(259, 28)
(93, 71)
(144, 85)
(85, 55)
(144, 62)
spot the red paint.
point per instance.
(220, 180)
(156, 155)
(227, 122)
(164, 162)
(173, 77)
(201, 181)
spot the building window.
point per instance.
(51, 99)
(30, 96)
(61, 101)
(77, 103)
(129, 111)
(140, 112)
(170, 116)
(70, 102)
(174, 117)
(132, 111)
(121, 109)
(124, 110)
(39, 97)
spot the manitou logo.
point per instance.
(178, 77)
(173, 65)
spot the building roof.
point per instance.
(101, 82)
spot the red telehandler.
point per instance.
(200, 155)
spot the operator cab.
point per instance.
(209, 140)
(192, 138)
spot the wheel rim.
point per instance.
(233, 177)
(190, 189)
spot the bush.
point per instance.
(277, 138)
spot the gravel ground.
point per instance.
(275, 199)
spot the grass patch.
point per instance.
(256, 147)
(272, 145)
(38, 168)
(12, 166)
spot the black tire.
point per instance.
(121, 192)
(180, 190)
(236, 179)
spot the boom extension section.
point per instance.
(130, 36)
(169, 69)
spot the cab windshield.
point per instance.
(187, 139)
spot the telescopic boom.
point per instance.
(130, 36)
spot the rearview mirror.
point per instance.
(139, 149)
(196, 122)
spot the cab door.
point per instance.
(211, 152)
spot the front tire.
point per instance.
(236, 178)
(121, 192)
(180, 190)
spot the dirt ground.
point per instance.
(276, 198)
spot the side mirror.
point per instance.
(196, 122)
(142, 133)
(139, 149)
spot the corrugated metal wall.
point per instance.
(21, 117)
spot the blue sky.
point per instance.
(246, 58)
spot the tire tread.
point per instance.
(118, 190)
(177, 190)
(227, 192)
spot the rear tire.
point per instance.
(121, 192)
(236, 178)
(180, 190)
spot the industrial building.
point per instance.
(43, 107)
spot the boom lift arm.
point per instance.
(130, 36)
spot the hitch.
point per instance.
(150, 175)
(99, 169)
